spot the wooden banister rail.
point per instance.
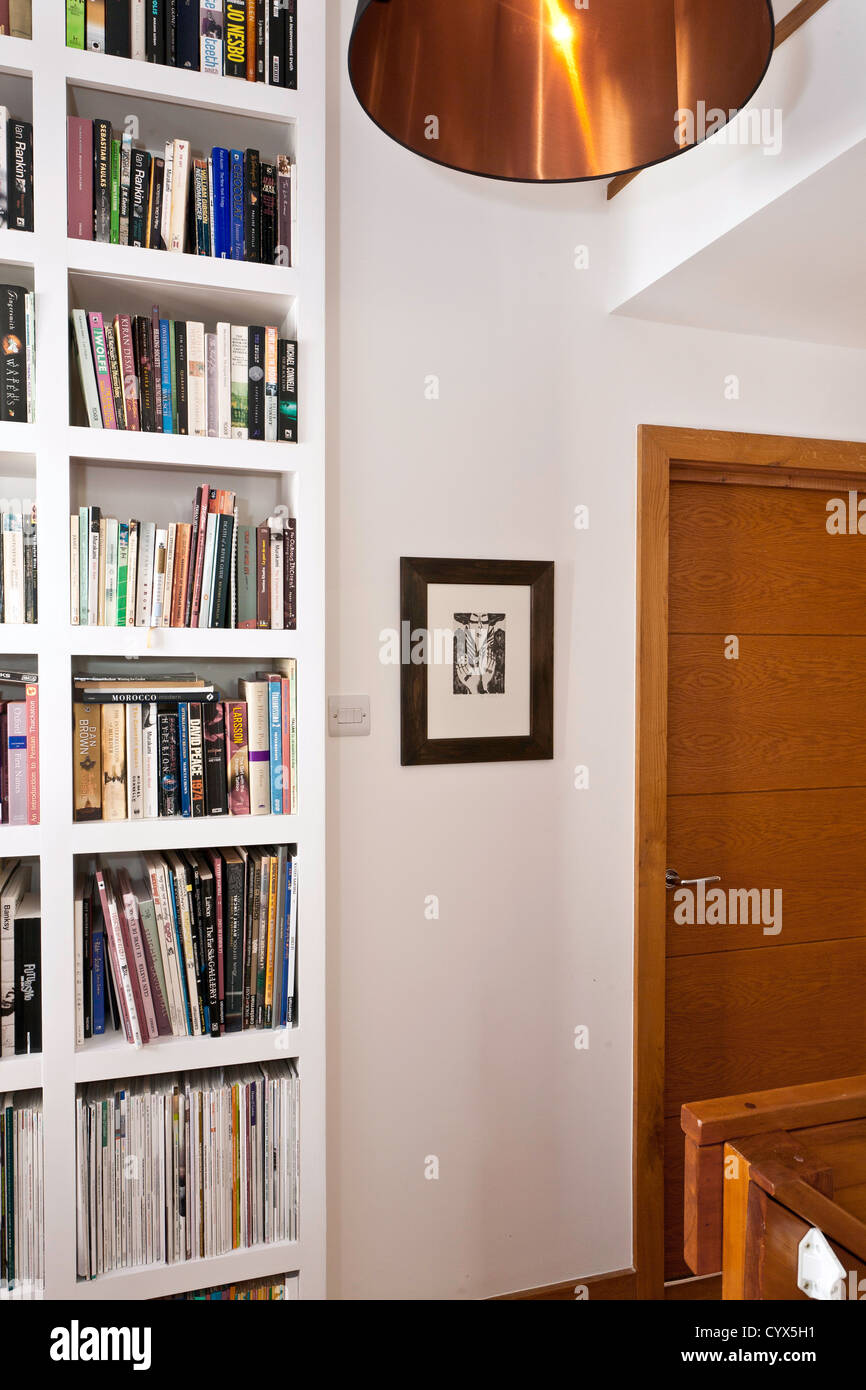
(787, 1107)
(784, 29)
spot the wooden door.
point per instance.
(766, 788)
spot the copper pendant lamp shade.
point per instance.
(556, 90)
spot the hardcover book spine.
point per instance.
(153, 234)
(196, 380)
(179, 195)
(255, 693)
(74, 571)
(263, 576)
(144, 586)
(246, 577)
(238, 758)
(130, 929)
(103, 372)
(31, 699)
(268, 250)
(75, 24)
(144, 352)
(275, 745)
(118, 32)
(180, 357)
(250, 40)
(211, 385)
(252, 210)
(132, 574)
(221, 179)
(235, 911)
(13, 368)
(94, 588)
(159, 559)
(16, 744)
(292, 44)
(79, 175)
(113, 763)
(222, 569)
(293, 733)
(95, 29)
(219, 931)
(119, 963)
(139, 29)
(165, 370)
(169, 765)
(216, 787)
(271, 397)
(157, 367)
(122, 572)
(286, 733)
(284, 211)
(188, 34)
(97, 978)
(277, 43)
(28, 985)
(101, 180)
(87, 743)
(171, 32)
(224, 380)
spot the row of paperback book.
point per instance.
(266, 1290)
(16, 172)
(17, 354)
(18, 567)
(200, 1164)
(253, 39)
(232, 205)
(201, 944)
(20, 960)
(169, 376)
(16, 18)
(169, 746)
(22, 1237)
(19, 749)
(211, 571)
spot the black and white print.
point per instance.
(479, 654)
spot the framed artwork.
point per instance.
(477, 660)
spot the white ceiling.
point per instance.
(796, 269)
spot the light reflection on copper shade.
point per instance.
(539, 90)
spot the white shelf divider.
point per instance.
(57, 447)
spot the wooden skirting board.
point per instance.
(784, 29)
(617, 1287)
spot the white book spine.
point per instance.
(124, 984)
(139, 49)
(132, 573)
(167, 185)
(146, 553)
(195, 376)
(74, 574)
(224, 381)
(30, 351)
(150, 762)
(134, 764)
(86, 370)
(211, 382)
(240, 381)
(207, 570)
(169, 574)
(179, 195)
(13, 561)
(160, 543)
(92, 572)
(166, 945)
(111, 536)
(258, 721)
(211, 37)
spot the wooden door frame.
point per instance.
(716, 456)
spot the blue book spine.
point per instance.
(221, 202)
(178, 946)
(165, 374)
(276, 746)
(97, 980)
(287, 917)
(238, 201)
(183, 740)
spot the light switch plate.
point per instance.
(348, 716)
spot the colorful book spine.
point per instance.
(237, 754)
(183, 750)
(165, 372)
(17, 766)
(31, 700)
(103, 373)
(275, 744)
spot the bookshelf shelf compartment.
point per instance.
(21, 1073)
(165, 271)
(205, 832)
(180, 451)
(157, 1281)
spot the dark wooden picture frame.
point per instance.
(536, 575)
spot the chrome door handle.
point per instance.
(673, 880)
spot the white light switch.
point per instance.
(348, 716)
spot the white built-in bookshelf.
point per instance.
(62, 461)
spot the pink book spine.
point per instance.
(217, 866)
(79, 167)
(17, 745)
(123, 987)
(123, 323)
(286, 710)
(134, 933)
(121, 926)
(237, 753)
(199, 554)
(32, 704)
(103, 375)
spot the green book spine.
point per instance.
(115, 193)
(74, 23)
(122, 571)
(173, 360)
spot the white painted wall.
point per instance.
(454, 1037)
